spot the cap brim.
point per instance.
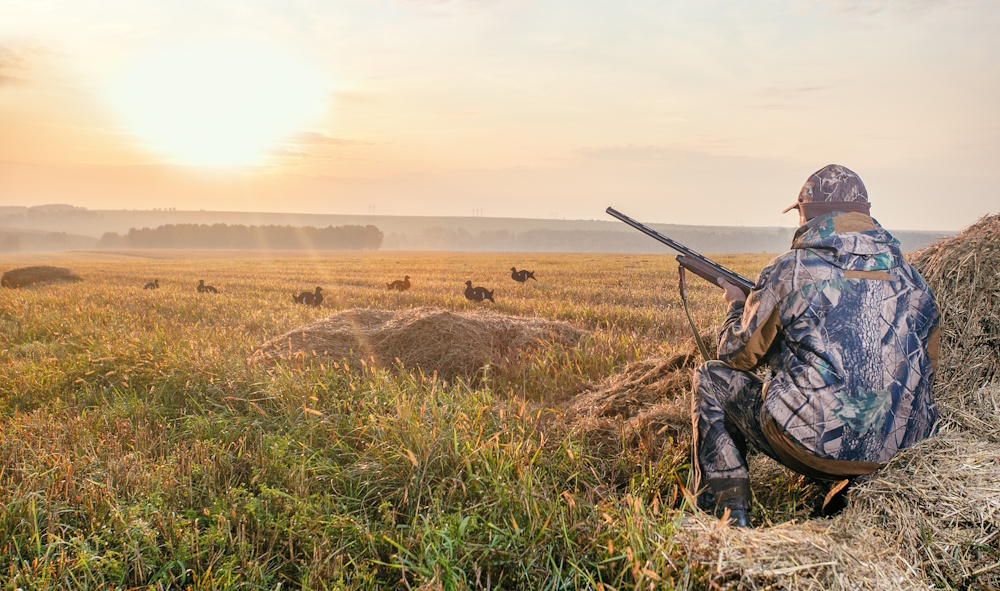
(791, 207)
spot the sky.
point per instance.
(710, 112)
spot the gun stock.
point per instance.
(700, 265)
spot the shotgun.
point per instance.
(698, 264)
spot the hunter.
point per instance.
(847, 332)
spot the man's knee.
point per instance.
(710, 376)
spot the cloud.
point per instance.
(12, 64)
(313, 138)
(627, 152)
(16, 63)
(893, 7)
(282, 152)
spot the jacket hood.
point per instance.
(849, 240)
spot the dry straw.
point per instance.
(432, 340)
(40, 275)
(964, 274)
(645, 407)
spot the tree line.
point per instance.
(611, 241)
(239, 236)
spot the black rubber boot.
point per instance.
(737, 517)
(732, 494)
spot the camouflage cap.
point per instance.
(832, 188)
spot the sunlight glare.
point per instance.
(219, 104)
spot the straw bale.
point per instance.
(937, 504)
(646, 405)
(930, 517)
(38, 275)
(964, 274)
(810, 555)
(433, 340)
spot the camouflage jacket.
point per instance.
(850, 333)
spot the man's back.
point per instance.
(853, 329)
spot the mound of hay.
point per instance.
(931, 517)
(432, 340)
(937, 504)
(811, 555)
(39, 275)
(964, 274)
(646, 406)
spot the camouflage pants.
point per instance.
(728, 411)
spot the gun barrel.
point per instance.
(653, 233)
(732, 276)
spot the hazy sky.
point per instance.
(710, 112)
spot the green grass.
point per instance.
(139, 449)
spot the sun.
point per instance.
(219, 104)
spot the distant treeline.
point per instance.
(545, 240)
(34, 241)
(247, 237)
(708, 240)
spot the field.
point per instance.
(140, 449)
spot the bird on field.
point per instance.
(477, 294)
(309, 299)
(202, 288)
(154, 284)
(522, 275)
(398, 285)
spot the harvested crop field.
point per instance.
(242, 441)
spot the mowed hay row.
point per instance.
(37, 275)
(432, 340)
(930, 517)
(815, 555)
(964, 274)
(646, 406)
(937, 504)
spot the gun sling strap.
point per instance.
(682, 285)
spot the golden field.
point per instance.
(139, 448)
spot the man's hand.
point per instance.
(731, 293)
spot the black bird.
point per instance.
(202, 288)
(478, 294)
(398, 285)
(522, 275)
(309, 299)
(154, 284)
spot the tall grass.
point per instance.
(139, 449)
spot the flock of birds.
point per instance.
(315, 298)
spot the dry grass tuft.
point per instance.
(964, 274)
(433, 340)
(937, 504)
(812, 555)
(647, 405)
(39, 275)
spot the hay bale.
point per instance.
(937, 504)
(964, 274)
(647, 405)
(810, 555)
(433, 340)
(39, 275)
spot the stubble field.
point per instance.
(140, 449)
